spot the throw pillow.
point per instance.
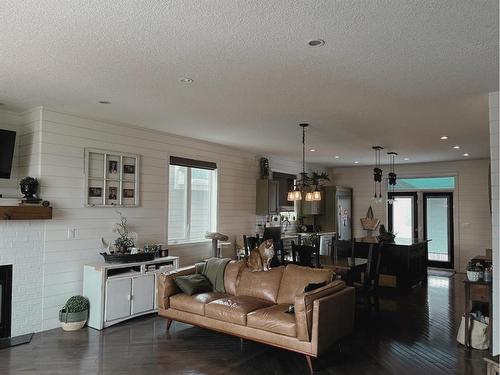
(192, 284)
(313, 286)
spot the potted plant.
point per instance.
(124, 241)
(475, 271)
(29, 187)
(73, 315)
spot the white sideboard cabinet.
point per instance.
(118, 292)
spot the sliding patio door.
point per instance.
(438, 228)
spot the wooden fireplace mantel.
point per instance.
(25, 213)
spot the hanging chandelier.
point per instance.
(392, 177)
(303, 184)
(377, 175)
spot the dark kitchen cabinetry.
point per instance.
(267, 198)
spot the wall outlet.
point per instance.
(71, 233)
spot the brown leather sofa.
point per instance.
(255, 306)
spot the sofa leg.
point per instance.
(309, 364)
(169, 323)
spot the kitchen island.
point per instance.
(403, 262)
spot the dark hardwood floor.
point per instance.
(414, 334)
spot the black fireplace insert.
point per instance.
(5, 300)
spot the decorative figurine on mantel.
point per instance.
(29, 187)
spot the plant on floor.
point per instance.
(124, 241)
(73, 315)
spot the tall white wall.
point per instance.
(471, 200)
(495, 219)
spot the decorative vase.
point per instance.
(474, 275)
(29, 190)
(487, 276)
(73, 321)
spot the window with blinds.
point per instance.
(192, 210)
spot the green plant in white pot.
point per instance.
(73, 315)
(475, 271)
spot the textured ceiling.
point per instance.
(396, 73)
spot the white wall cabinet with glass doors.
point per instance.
(111, 179)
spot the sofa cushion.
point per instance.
(193, 284)
(273, 319)
(234, 309)
(232, 275)
(194, 304)
(261, 284)
(296, 278)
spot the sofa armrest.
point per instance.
(333, 318)
(167, 287)
(304, 307)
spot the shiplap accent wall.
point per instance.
(495, 205)
(471, 200)
(52, 148)
(64, 138)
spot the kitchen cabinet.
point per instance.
(267, 199)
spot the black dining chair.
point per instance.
(250, 243)
(304, 255)
(343, 249)
(368, 288)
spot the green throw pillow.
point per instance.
(192, 284)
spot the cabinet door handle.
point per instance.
(129, 297)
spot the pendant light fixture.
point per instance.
(302, 186)
(392, 177)
(377, 175)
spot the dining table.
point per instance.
(347, 267)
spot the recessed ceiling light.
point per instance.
(316, 43)
(337, 157)
(444, 137)
(406, 159)
(186, 80)
(104, 102)
(356, 162)
(466, 154)
(456, 147)
(312, 150)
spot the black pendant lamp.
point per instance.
(392, 176)
(377, 175)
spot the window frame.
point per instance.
(215, 195)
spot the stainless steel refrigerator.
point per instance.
(337, 212)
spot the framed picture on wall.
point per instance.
(95, 192)
(112, 179)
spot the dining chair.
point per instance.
(250, 243)
(343, 249)
(303, 255)
(368, 288)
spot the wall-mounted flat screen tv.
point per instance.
(7, 143)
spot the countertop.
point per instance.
(293, 235)
(397, 241)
